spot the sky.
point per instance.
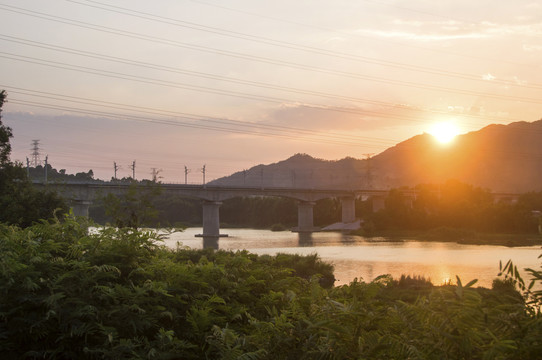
(227, 85)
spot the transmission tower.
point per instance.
(36, 153)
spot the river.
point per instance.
(367, 258)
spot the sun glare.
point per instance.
(444, 132)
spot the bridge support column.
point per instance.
(80, 207)
(211, 219)
(305, 218)
(378, 202)
(348, 210)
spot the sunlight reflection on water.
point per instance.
(367, 258)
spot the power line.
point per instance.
(201, 74)
(204, 118)
(246, 56)
(152, 111)
(231, 125)
(524, 155)
(159, 82)
(344, 33)
(198, 74)
(317, 138)
(284, 44)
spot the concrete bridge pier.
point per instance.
(348, 210)
(211, 219)
(305, 217)
(80, 207)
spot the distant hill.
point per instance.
(502, 158)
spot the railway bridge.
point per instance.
(82, 195)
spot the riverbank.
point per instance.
(460, 236)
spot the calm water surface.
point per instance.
(367, 258)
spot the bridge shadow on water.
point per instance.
(305, 239)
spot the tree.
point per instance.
(20, 203)
(5, 135)
(135, 208)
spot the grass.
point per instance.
(458, 235)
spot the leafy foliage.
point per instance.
(5, 134)
(67, 291)
(20, 202)
(54, 175)
(455, 205)
(135, 208)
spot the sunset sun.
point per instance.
(444, 132)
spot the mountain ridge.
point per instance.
(501, 158)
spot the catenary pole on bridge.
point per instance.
(115, 168)
(46, 159)
(186, 171)
(154, 173)
(133, 169)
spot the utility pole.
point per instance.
(154, 173)
(186, 171)
(36, 153)
(133, 170)
(27, 167)
(203, 172)
(46, 158)
(115, 168)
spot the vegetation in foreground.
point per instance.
(69, 293)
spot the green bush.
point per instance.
(67, 292)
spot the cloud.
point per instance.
(418, 30)
(488, 77)
(532, 48)
(326, 118)
(334, 39)
(418, 23)
(422, 37)
(518, 81)
(493, 29)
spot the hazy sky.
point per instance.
(232, 84)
